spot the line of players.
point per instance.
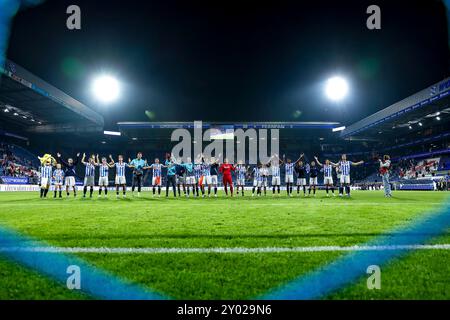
(200, 176)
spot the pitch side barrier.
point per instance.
(36, 188)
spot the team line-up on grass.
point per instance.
(200, 175)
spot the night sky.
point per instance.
(230, 61)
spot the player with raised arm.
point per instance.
(385, 166)
(103, 179)
(327, 175)
(275, 163)
(344, 167)
(198, 174)
(214, 173)
(58, 180)
(289, 173)
(241, 172)
(206, 176)
(138, 164)
(256, 181)
(89, 174)
(120, 179)
(264, 172)
(45, 177)
(171, 165)
(313, 174)
(156, 176)
(190, 178)
(226, 168)
(300, 170)
(181, 178)
(69, 173)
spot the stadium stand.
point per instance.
(414, 132)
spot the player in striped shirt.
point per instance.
(240, 172)
(103, 179)
(58, 180)
(46, 176)
(120, 180)
(89, 174)
(198, 170)
(206, 176)
(264, 173)
(156, 176)
(327, 175)
(276, 173)
(344, 168)
(257, 181)
(289, 173)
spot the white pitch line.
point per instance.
(220, 249)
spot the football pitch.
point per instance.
(224, 248)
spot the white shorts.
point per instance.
(214, 180)
(264, 182)
(207, 180)
(328, 180)
(240, 182)
(156, 181)
(345, 178)
(257, 183)
(181, 180)
(103, 181)
(313, 181)
(276, 181)
(289, 178)
(190, 180)
(301, 181)
(120, 180)
(57, 184)
(70, 181)
(45, 182)
(89, 181)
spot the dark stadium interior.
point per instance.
(185, 62)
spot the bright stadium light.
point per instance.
(112, 133)
(336, 88)
(338, 129)
(106, 88)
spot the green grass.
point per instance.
(224, 222)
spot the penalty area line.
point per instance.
(106, 250)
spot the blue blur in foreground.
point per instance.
(94, 282)
(351, 267)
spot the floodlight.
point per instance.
(106, 88)
(336, 88)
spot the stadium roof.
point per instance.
(158, 130)
(421, 107)
(30, 103)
